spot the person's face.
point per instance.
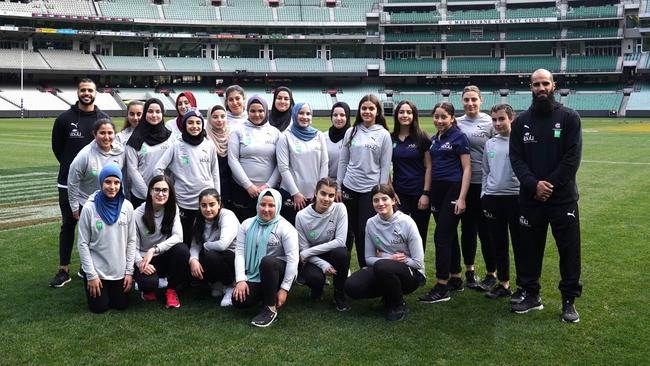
(235, 103)
(154, 114)
(209, 207)
(160, 194)
(501, 122)
(282, 101)
(471, 103)
(134, 114)
(542, 85)
(111, 186)
(86, 93)
(383, 204)
(256, 113)
(267, 208)
(194, 126)
(218, 119)
(324, 198)
(368, 112)
(405, 115)
(183, 105)
(338, 117)
(304, 116)
(105, 136)
(442, 120)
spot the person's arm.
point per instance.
(175, 237)
(340, 235)
(416, 249)
(138, 185)
(240, 254)
(216, 178)
(372, 253)
(572, 145)
(290, 245)
(324, 158)
(283, 156)
(165, 160)
(227, 233)
(238, 173)
(84, 237)
(305, 250)
(385, 158)
(58, 138)
(526, 177)
(130, 244)
(344, 160)
(466, 164)
(75, 175)
(423, 202)
(485, 167)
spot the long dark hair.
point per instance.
(416, 133)
(379, 119)
(447, 107)
(199, 222)
(170, 207)
(132, 103)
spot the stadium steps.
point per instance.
(623, 108)
(161, 13)
(161, 66)
(98, 10)
(215, 65)
(9, 101)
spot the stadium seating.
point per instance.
(426, 17)
(421, 100)
(532, 34)
(128, 94)
(69, 60)
(33, 99)
(473, 14)
(22, 7)
(365, 4)
(6, 106)
(532, 13)
(473, 65)
(639, 101)
(591, 63)
(129, 63)
(350, 14)
(187, 64)
(352, 64)
(104, 101)
(594, 101)
(248, 64)
(70, 7)
(129, 9)
(413, 66)
(521, 101)
(466, 35)
(411, 1)
(632, 56)
(528, 64)
(300, 65)
(303, 14)
(587, 12)
(302, 2)
(316, 98)
(10, 59)
(591, 32)
(412, 37)
(489, 99)
(249, 13)
(189, 9)
(353, 94)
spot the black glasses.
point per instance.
(160, 190)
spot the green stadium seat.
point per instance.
(594, 101)
(129, 9)
(189, 9)
(592, 33)
(412, 37)
(590, 12)
(413, 66)
(528, 64)
(129, 63)
(192, 64)
(428, 17)
(247, 64)
(300, 65)
(532, 13)
(473, 14)
(591, 63)
(473, 65)
(352, 64)
(532, 34)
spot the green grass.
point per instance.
(39, 325)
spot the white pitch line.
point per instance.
(27, 175)
(615, 162)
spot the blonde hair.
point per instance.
(473, 88)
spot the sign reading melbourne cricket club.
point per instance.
(496, 21)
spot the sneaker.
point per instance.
(148, 296)
(569, 312)
(497, 292)
(455, 284)
(172, 299)
(60, 279)
(488, 282)
(472, 280)
(80, 273)
(217, 289)
(397, 313)
(438, 293)
(530, 302)
(300, 279)
(265, 318)
(518, 296)
(316, 293)
(227, 297)
(340, 302)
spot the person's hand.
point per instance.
(253, 191)
(128, 283)
(281, 298)
(543, 190)
(400, 257)
(298, 201)
(76, 214)
(262, 187)
(459, 207)
(146, 260)
(241, 291)
(196, 269)
(330, 271)
(338, 197)
(378, 253)
(95, 288)
(423, 202)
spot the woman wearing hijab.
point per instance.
(251, 156)
(266, 259)
(185, 101)
(283, 103)
(145, 147)
(340, 117)
(219, 133)
(106, 244)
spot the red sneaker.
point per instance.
(172, 299)
(148, 296)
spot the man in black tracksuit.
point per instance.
(545, 152)
(72, 130)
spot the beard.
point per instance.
(543, 103)
(91, 102)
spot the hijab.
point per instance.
(281, 120)
(193, 140)
(109, 208)
(337, 134)
(257, 236)
(190, 97)
(302, 133)
(259, 100)
(219, 138)
(146, 132)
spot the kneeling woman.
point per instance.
(266, 259)
(394, 255)
(106, 244)
(161, 252)
(322, 230)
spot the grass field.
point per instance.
(40, 325)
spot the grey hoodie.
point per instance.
(498, 177)
(141, 165)
(220, 239)
(321, 233)
(301, 163)
(251, 155)
(478, 130)
(146, 241)
(366, 162)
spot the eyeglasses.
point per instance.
(157, 190)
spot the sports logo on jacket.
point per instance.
(529, 138)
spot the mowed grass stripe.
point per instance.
(45, 188)
(8, 184)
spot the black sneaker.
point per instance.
(397, 313)
(438, 293)
(530, 302)
(81, 274)
(316, 293)
(60, 279)
(300, 279)
(497, 292)
(455, 284)
(518, 296)
(340, 302)
(488, 282)
(264, 318)
(569, 312)
(472, 280)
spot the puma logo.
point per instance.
(76, 125)
(572, 214)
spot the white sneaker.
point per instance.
(217, 289)
(227, 297)
(162, 282)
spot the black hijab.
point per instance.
(337, 134)
(281, 120)
(146, 132)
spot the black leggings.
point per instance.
(218, 266)
(112, 295)
(187, 222)
(68, 225)
(409, 206)
(339, 258)
(443, 197)
(502, 215)
(172, 264)
(244, 206)
(387, 278)
(288, 211)
(359, 207)
(136, 201)
(266, 291)
(472, 223)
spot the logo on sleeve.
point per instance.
(529, 138)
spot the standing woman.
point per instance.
(340, 117)
(322, 231)
(106, 244)
(394, 255)
(133, 115)
(283, 103)
(193, 162)
(145, 147)
(477, 126)
(412, 166)
(302, 161)
(235, 102)
(266, 259)
(252, 159)
(160, 249)
(219, 133)
(82, 176)
(450, 175)
(364, 163)
(185, 102)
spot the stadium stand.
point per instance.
(69, 60)
(427, 17)
(532, 13)
(473, 65)
(20, 7)
(591, 63)
(303, 14)
(413, 37)
(193, 64)
(473, 14)
(521, 101)
(105, 101)
(422, 101)
(468, 35)
(10, 59)
(594, 101)
(316, 98)
(189, 9)
(300, 65)
(591, 33)
(245, 64)
(33, 99)
(532, 34)
(587, 12)
(350, 14)
(129, 9)
(414, 66)
(70, 7)
(129, 63)
(128, 94)
(352, 94)
(528, 64)
(352, 64)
